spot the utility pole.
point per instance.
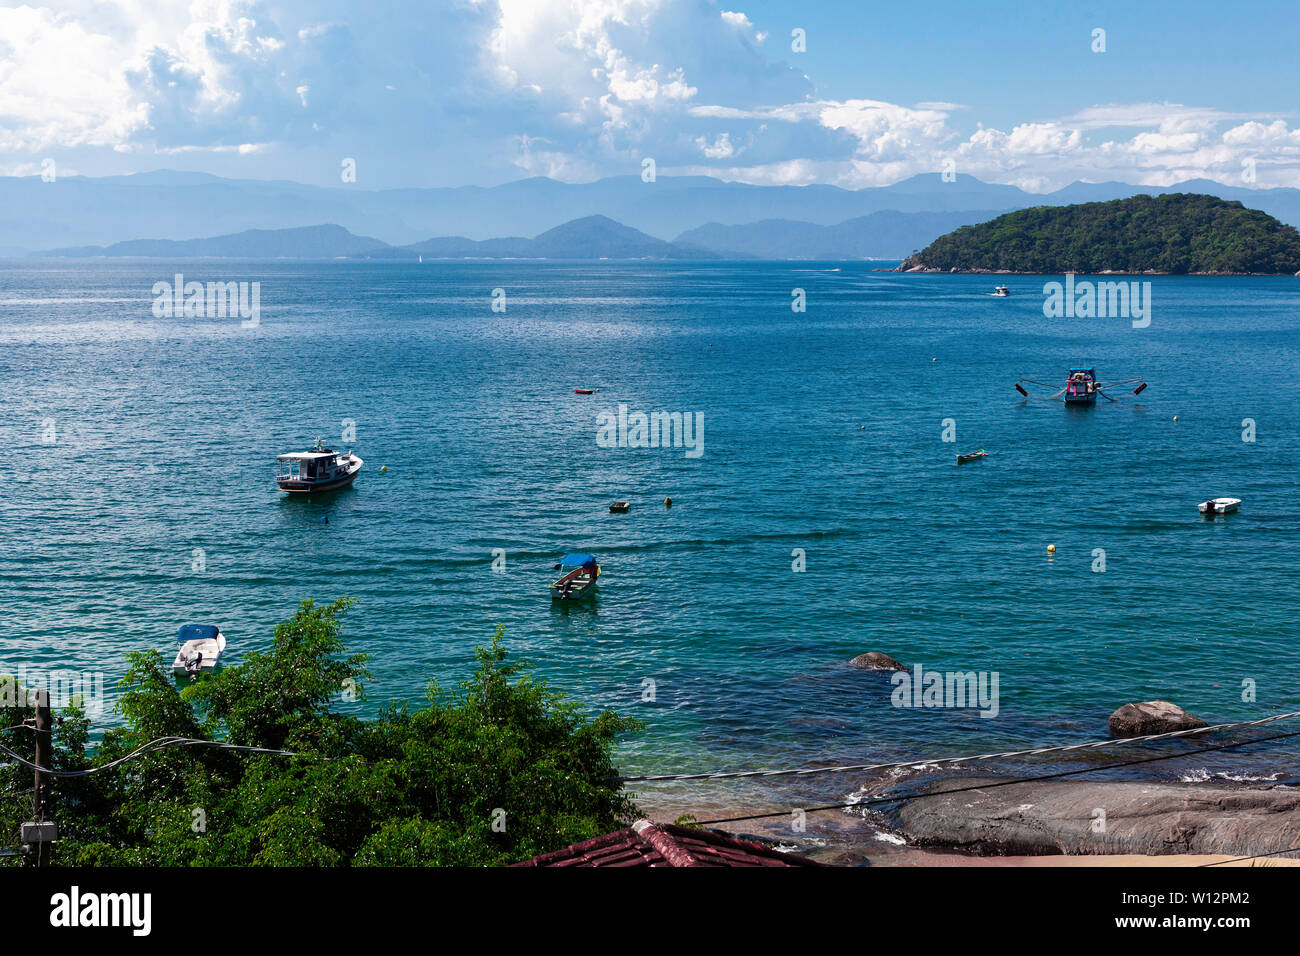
(39, 834)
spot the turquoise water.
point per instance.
(822, 432)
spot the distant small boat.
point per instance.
(321, 469)
(586, 391)
(1001, 291)
(973, 456)
(620, 507)
(579, 578)
(1219, 506)
(200, 649)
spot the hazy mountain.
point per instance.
(881, 235)
(76, 211)
(306, 242)
(594, 237)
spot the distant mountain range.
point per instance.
(76, 211)
(881, 235)
(303, 242)
(593, 237)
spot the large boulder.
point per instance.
(876, 661)
(1099, 816)
(1151, 717)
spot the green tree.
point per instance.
(497, 769)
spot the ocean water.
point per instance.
(138, 494)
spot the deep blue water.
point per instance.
(822, 432)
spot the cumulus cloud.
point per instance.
(573, 89)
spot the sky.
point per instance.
(480, 92)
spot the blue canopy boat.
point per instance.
(578, 580)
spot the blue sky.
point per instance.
(478, 92)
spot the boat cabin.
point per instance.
(309, 465)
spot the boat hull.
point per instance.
(299, 487)
(574, 595)
(575, 585)
(210, 649)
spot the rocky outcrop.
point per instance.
(1151, 717)
(876, 661)
(1101, 817)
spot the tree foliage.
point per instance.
(497, 770)
(1178, 233)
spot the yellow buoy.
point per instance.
(668, 502)
(383, 468)
(1175, 418)
(1051, 549)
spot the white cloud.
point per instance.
(574, 89)
(720, 148)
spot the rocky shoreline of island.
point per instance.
(912, 265)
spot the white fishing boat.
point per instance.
(200, 650)
(1219, 506)
(1001, 291)
(321, 469)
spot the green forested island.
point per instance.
(1178, 234)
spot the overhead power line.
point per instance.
(153, 746)
(872, 801)
(854, 768)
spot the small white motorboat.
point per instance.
(200, 649)
(321, 469)
(1219, 506)
(1001, 291)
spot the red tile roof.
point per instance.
(664, 844)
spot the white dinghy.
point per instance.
(1219, 506)
(200, 648)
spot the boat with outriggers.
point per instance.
(1081, 387)
(578, 578)
(321, 469)
(200, 650)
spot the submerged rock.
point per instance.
(1151, 717)
(876, 661)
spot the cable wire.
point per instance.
(1255, 856)
(871, 801)
(1090, 745)
(162, 743)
